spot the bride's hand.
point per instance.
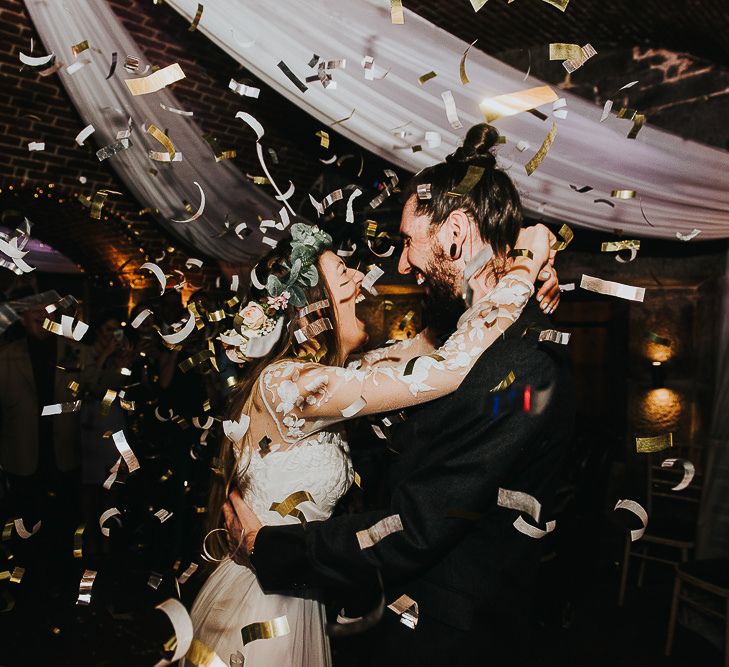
(240, 520)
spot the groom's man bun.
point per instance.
(477, 145)
(492, 202)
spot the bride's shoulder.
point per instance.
(288, 369)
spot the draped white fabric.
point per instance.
(683, 185)
(108, 103)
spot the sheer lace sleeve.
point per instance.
(305, 397)
(391, 355)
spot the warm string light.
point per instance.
(132, 237)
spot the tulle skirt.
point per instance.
(232, 598)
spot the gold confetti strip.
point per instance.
(554, 336)
(98, 201)
(508, 380)
(78, 541)
(573, 64)
(616, 246)
(357, 479)
(622, 194)
(424, 191)
(656, 443)
(109, 397)
(195, 360)
(17, 575)
(165, 141)
(559, 4)
(610, 288)
(196, 20)
(477, 4)
(450, 109)
(689, 470)
(468, 182)
(163, 515)
(112, 149)
(511, 104)
(85, 586)
(155, 81)
(562, 51)
(638, 122)
(534, 163)
(407, 609)
(520, 252)
(200, 655)
(78, 48)
(342, 120)
(126, 451)
(370, 536)
(292, 77)
(191, 569)
(397, 15)
(464, 76)
(566, 234)
(658, 340)
(287, 506)
(218, 152)
(323, 138)
(626, 113)
(277, 627)
(638, 510)
(426, 77)
(59, 408)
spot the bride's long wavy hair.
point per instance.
(226, 473)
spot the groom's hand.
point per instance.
(242, 524)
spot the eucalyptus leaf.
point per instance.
(274, 286)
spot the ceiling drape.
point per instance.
(107, 104)
(682, 185)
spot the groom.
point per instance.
(459, 555)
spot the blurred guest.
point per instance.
(41, 455)
(101, 416)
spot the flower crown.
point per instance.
(307, 243)
(258, 326)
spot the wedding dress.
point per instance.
(297, 406)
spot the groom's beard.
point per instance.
(443, 302)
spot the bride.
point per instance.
(289, 456)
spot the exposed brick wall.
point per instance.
(34, 108)
(676, 91)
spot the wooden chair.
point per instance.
(709, 576)
(672, 518)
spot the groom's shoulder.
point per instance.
(520, 356)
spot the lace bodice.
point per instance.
(319, 465)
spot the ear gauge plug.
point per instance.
(452, 250)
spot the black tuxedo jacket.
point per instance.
(459, 556)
